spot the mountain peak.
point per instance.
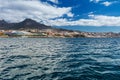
(25, 24)
(28, 19)
(3, 21)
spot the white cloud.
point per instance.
(107, 3)
(95, 20)
(95, 1)
(54, 1)
(70, 15)
(17, 10)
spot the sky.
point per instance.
(83, 15)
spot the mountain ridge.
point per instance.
(29, 25)
(25, 24)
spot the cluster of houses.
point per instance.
(18, 33)
(54, 33)
(13, 33)
(38, 33)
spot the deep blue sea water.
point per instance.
(59, 59)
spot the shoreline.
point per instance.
(50, 37)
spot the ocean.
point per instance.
(59, 58)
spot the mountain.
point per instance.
(31, 24)
(3, 24)
(26, 24)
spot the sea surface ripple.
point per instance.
(59, 58)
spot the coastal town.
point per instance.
(31, 28)
(54, 33)
(40, 33)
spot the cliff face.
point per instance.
(26, 24)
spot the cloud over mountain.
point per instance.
(53, 15)
(17, 10)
